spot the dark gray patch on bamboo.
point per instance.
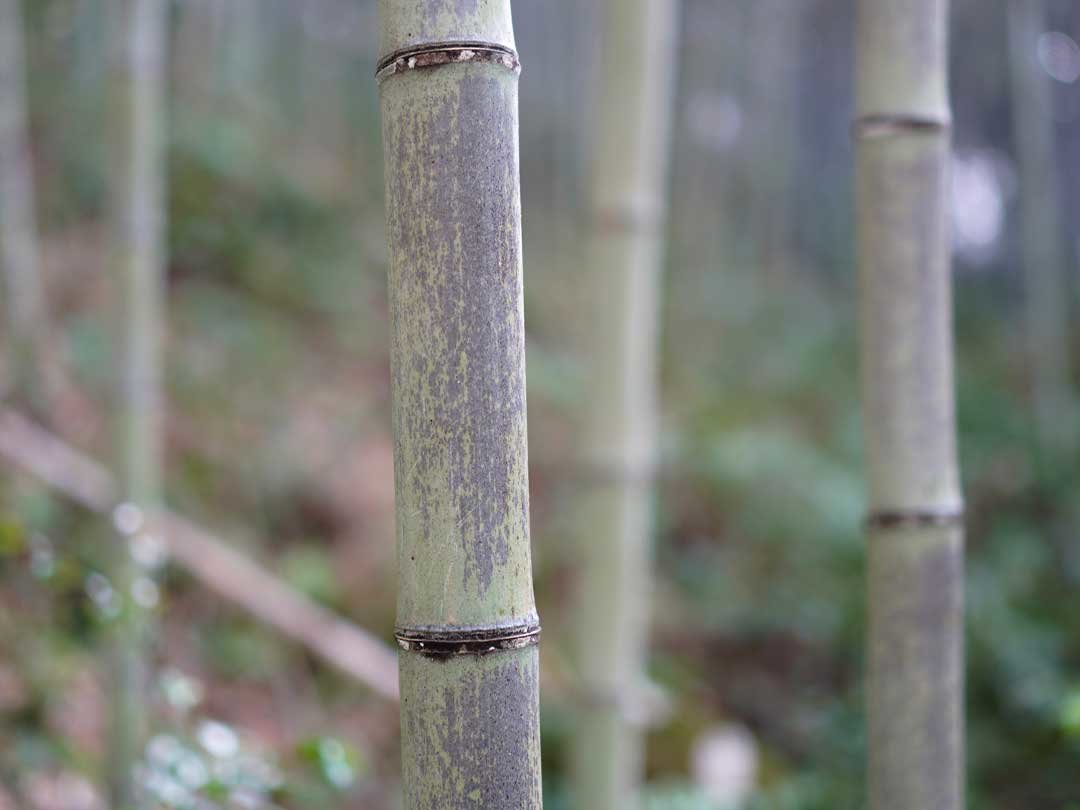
(483, 740)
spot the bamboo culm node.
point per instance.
(479, 641)
(927, 518)
(881, 126)
(445, 53)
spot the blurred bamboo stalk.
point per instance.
(197, 43)
(776, 27)
(25, 310)
(346, 647)
(466, 619)
(137, 87)
(626, 254)
(323, 132)
(246, 49)
(87, 54)
(914, 525)
(1042, 246)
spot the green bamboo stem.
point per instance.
(628, 200)
(915, 546)
(1042, 246)
(137, 101)
(197, 41)
(775, 28)
(244, 51)
(25, 305)
(466, 620)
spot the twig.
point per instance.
(351, 649)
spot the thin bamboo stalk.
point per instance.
(775, 28)
(137, 92)
(243, 57)
(915, 544)
(1042, 244)
(466, 620)
(628, 200)
(25, 306)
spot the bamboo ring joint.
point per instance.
(943, 518)
(446, 53)
(479, 641)
(880, 126)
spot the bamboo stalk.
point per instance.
(466, 620)
(915, 544)
(243, 57)
(25, 306)
(1043, 249)
(628, 202)
(774, 65)
(137, 109)
(350, 649)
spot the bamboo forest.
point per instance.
(567, 404)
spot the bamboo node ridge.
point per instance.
(435, 54)
(940, 517)
(881, 126)
(473, 641)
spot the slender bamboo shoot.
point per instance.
(25, 305)
(137, 90)
(1043, 247)
(628, 186)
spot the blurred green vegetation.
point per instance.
(278, 431)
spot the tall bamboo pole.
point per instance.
(915, 544)
(244, 25)
(628, 201)
(137, 92)
(1042, 245)
(466, 621)
(775, 29)
(25, 304)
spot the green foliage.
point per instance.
(309, 570)
(234, 223)
(239, 649)
(339, 764)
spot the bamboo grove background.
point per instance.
(277, 433)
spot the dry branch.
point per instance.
(349, 648)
